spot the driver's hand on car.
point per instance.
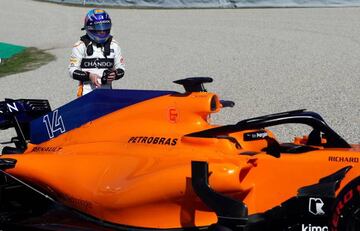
(95, 79)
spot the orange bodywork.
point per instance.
(133, 166)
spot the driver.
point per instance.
(96, 59)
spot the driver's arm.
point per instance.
(119, 64)
(75, 62)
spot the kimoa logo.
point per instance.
(316, 206)
(310, 227)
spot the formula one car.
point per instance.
(141, 160)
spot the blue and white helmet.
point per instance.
(97, 25)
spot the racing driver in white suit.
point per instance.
(96, 59)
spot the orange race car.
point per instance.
(141, 160)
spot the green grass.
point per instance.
(30, 59)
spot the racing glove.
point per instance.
(119, 73)
(81, 75)
(105, 75)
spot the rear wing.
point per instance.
(18, 114)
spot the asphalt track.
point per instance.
(266, 60)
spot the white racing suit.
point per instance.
(88, 57)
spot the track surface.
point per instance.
(266, 60)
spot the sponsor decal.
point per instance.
(153, 140)
(345, 159)
(311, 227)
(12, 107)
(102, 21)
(122, 60)
(98, 11)
(315, 206)
(255, 135)
(173, 115)
(97, 63)
(46, 149)
(342, 203)
(73, 61)
(54, 124)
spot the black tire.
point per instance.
(346, 211)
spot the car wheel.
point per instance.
(346, 212)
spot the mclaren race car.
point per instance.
(142, 160)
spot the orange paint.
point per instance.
(133, 166)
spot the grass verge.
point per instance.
(30, 59)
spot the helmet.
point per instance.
(97, 25)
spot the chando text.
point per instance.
(97, 63)
(310, 227)
(153, 140)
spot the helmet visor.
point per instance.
(101, 33)
(102, 25)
